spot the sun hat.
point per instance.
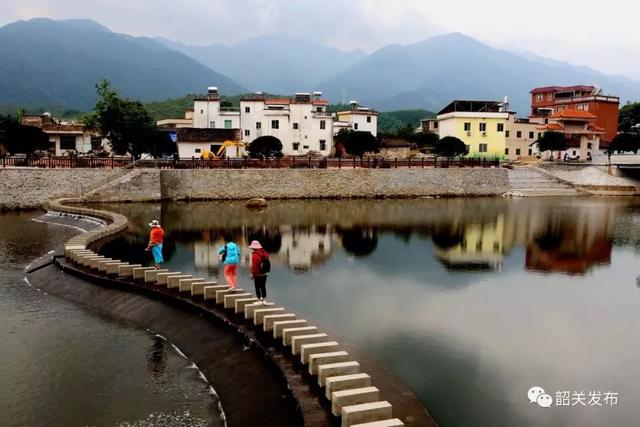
(255, 245)
(154, 223)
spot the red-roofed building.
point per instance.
(550, 100)
(578, 126)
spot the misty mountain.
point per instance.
(277, 63)
(431, 73)
(47, 62)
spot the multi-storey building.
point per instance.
(580, 130)
(209, 113)
(67, 136)
(480, 125)
(520, 134)
(357, 118)
(302, 123)
(546, 101)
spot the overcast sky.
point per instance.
(603, 35)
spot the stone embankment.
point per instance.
(351, 395)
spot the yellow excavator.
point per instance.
(207, 154)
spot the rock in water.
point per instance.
(256, 202)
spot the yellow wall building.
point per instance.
(480, 125)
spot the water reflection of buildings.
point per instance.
(569, 240)
(299, 248)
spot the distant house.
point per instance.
(520, 135)
(186, 122)
(580, 130)
(480, 125)
(192, 142)
(394, 148)
(357, 118)
(67, 136)
(549, 100)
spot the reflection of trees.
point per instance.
(447, 236)
(131, 247)
(359, 241)
(269, 238)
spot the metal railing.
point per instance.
(65, 162)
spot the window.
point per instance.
(323, 145)
(483, 148)
(435, 125)
(318, 109)
(323, 124)
(583, 107)
(355, 126)
(368, 119)
(519, 134)
(550, 96)
(247, 109)
(468, 147)
(482, 127)
(296, 146)
(212, 124)
(531, 135)
(589, 145)
(201, 111)
(198, 150)
(228, 124)
(539, 135)
(96, 142)
(67, 142)
(295, 126)
(530, 151)
(275, 124)
(506, 151)
(247, 132)
(500, 127)
(506, 134)
(539, 97)
(258, 125)
(517, 151)
(467, 126)
(305, 147)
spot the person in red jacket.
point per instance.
(260, 267)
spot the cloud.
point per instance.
(586, 34)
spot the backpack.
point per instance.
(223, 255)
(265, 265)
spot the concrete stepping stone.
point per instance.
(345, 382)
(259, 313)
(197, 289)
(281, 325)
(184, 285)
(86, 261)
(299, 340)
(151, 276)
(250, 308)
(243, 302)
(307, 350)
(231, 298)
(222, 292)
(127, 270)
(336, 369)
(289, 333)
(138, 272)
(112, 269)
(366, 412)
(93, 262)
(163, 277)
(102, 265)
(393, 422)
(210, 291)
(318, 359)
(173, 282)
(269, 319)
(356, 396)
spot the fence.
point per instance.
(246, 163)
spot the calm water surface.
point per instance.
(469, 302)
(62, 365)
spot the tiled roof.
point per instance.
(207, 135)
(573, 114)
(547, 89)
(551, 126)
(320, 102)
(278, 101)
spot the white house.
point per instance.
(208, 113)
(67, 136)
(194, 142)
(358, 118)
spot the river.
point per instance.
(65, 365)
(471, 302)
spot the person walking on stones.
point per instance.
(156, 239)
(230, 256)
(260, 268)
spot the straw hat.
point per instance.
(255, 245)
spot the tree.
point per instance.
(552, 141)
(125, 123)
(629, 116)
(265, 147)
(450, 146)
(624, 141)
(17, 138)
(357, 143)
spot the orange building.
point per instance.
(545, 101)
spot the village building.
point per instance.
(394, 148)
(208, 112)
(186, 122)
(520, 134)
(545, 101)
(67, 137)
(357, 118)
(480, 125)
(580, 130)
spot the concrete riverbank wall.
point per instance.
(31, 188)
(321, 373)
